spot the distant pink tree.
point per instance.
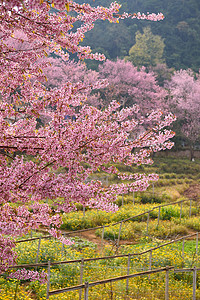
(185, 102)
(163, 73)
(60, 71)
(130, 86)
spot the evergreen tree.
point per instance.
(148, 49)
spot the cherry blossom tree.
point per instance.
(130, 86)
(59, 72)
(89, 140)
(184, 89)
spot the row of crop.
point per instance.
(136, 230)
(140, 288)
(68, 275)
(93, 218)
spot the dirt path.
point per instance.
(193, 192)
(90, 236)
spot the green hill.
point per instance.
(180, 30)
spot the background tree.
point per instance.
(148, 49)
(180, 31)
(185, 102)
(60, 71)
(163, 73)
(130, 86)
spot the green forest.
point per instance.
(179, 30)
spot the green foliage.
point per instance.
(136, 230)
(169, 212)
(148, 49)
(177, 168)
(150, 199)
(193, 223)
(93, 218)
(79, 243)
(180, 31)
(76, 220)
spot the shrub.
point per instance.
(193, 223)
(112, 232)
(168, 212)
(166, 229)
(150, 199)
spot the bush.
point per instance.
(168, 212)
(193, 223)
(112, 232)
(166, 229)
(150, 199)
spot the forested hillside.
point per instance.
(180, 30)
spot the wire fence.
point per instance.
(85, 286)
(121, 222)
(82, 260)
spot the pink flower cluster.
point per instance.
(55, 233)
(142, 16)
(24, 274)
(7, 255)
(185, 100)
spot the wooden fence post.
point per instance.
(81, 277)
(197, 241)
(48, 279)
(84, 211)
(63, 246)
(128, 270)
(150, 261)
(133, 198)
(118, 240)
(122, 200)
(86, 290)
(147, 224)
(158, 216)
(181, 210)
(194, 283)
(38, 250)
(167, 283)
(183, 248)
(153, 188)
(190, 208)
(102, 237)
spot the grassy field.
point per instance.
(179, 180)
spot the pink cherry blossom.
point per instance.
(184, 100)
(51, 140)
(24, 274)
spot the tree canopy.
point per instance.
(76, 138)
(148, 49)
(184, 100)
